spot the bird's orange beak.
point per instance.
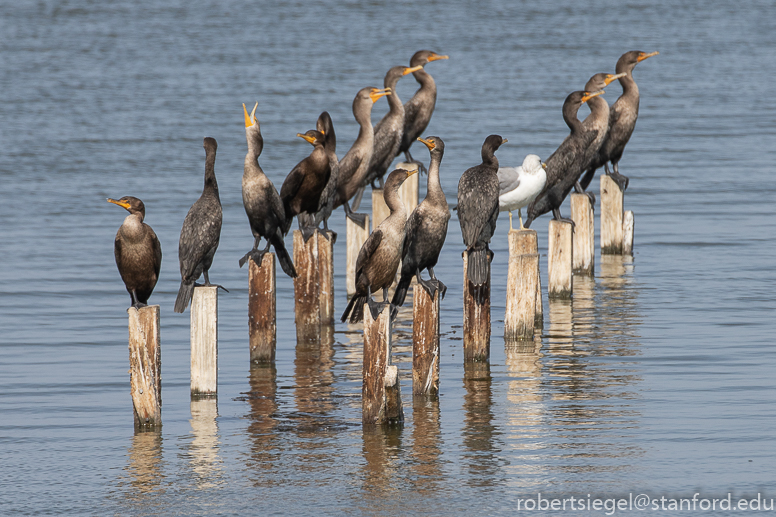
(644, 56)
(428, 143)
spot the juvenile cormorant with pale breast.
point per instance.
(137, 251)
(519, 186)
(379, 257)
(478, 192)
(262, 203)
(426, 230)
(200, 232)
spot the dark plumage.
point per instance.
(622, 121)
(200, 232)
(478, 192)
(564, 165)
(326, 201)
(379, 257)
(418, 110)
(262, 203)
(138, 252)
(426, 230)
(302, 188)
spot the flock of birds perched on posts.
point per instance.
(321, 182)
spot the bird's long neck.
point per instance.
(393, 201)
(599, 110)
(629, 87)
(366, 132)
(426, 81)
(434, 188)
(394, 102)
(210, 171)
(570, 117)
(489, 158)
(132, 228)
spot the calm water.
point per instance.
(657, 378)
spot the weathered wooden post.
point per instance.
(262, 310)
(425, 342)
(627, 232)
(584, 234)
(313, 286)
(380, 210)
(408, 192)
(326, 277)
(356, 236)
(204, 341)
(559, 259)
(611, 216)
(380, 392)
(145, 365)
(476, 318)
(522, 295)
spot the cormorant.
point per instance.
(262, 202)
(425, 231)
(564, 166)
(519, 186)
(138, 252)
(302, 188)
(326, 201)
(418, 110)
(379, 257)
(478, 210)
(622, 121)
(200, 232)
(355, 164)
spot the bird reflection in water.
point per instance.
(206, 465)
(479, 433)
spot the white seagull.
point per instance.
(519, 186)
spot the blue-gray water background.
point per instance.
(658, 378)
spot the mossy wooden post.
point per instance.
(628, 224)
(408, 192)
(380, 393)
(425, 342)
(262, 310)
(380, 211)
(145, 365)
(204, 341)
(356, 236)
(611, 216)
(559, 259)
(476, 317)
(584, 234)
(522, 242)
(307, 313)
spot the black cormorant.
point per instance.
(426, 230)
(138, 252)
(262, 202)
(200, 232)
(478, 210)
(326, 202)
(379, 257)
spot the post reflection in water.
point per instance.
(479, 433)
(145, 466)
(382, 476)
(205, 463)
(262, 399)
(425, 470)
(314, 378)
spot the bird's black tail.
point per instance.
(355, 309)
(185, 293)
(478, 268)
(286, 263)
(401, 290)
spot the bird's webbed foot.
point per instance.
(429, 285)
(579, 190)
(556, 215)
(622, 181)
(307, 232)
(208, 284)
(139, 305)
(359, 219)
(256, 255)
(591, 197)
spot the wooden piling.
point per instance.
(525, 242)
(584, 234)
(356, 237)
(145, 365)
(262, 310)
(520, 317)
(380, 211)
(326, 277)
(425, 342)
(611, 216)
(559, 259)
(204, 341)
(476, 318)
(380, 397)
(628, 224)
(307, 313)
(408, 192)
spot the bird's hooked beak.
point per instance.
(504, 141)
(413, 171)
(376, 94)
(122, 204)
(611, 78)
(413, 69)
(310, 139)
(428, 143)
(644, 56)
(250, 120)
(589, 95)
(435, 57)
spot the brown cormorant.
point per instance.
(302, 188)
(425, 231)
(138, 252)
(478, 210)
(418, 110)
(622, 121)
(379, 257)
(519, 186)
(200, 232)
(355, 164)
(564, 166)
(262, 203)
(326, 201)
